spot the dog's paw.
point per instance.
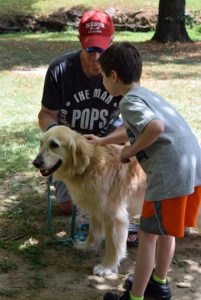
(86, 246)
(103, 271)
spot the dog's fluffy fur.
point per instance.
(99, 183)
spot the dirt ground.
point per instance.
(69, 272)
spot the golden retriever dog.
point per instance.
(99, 183)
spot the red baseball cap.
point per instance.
(96, 28)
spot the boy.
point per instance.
(170, 155)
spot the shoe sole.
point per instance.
(159, 298)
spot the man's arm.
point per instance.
(47, 116)
(147, 137)
(118, 136)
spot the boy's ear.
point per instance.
(114, 76)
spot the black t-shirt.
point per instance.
(83, 103)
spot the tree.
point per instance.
(171, 22)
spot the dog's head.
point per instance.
(62, 149)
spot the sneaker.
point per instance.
(154, 289)
(158, 290)
(128, 283)
(112, 296)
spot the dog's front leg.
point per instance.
(116, 232)
(95, 236)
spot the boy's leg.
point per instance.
(152, 217)
(144, 262)
(164, 255)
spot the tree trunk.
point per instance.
(171, 22)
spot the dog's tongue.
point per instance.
(45, 172)
(48, 172)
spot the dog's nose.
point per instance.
(38, 162)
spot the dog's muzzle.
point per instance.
(38, 163)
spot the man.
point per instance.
(74, 94)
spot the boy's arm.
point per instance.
(118, 136)
(147, 137)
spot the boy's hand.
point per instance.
(93, 139)
(147, 137)
(126, 153)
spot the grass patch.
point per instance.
(7, 265)
(47, 6)
(179, 262)
(37, 282)
(8, 292)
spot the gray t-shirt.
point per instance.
(173, 162)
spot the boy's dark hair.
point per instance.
(125, 59)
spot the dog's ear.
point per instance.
(80, 155)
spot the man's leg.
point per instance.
(132, 239)
(66, 207)
(63, 197)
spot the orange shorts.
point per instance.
(171, 216)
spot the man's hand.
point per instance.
(93, 139)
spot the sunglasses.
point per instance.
(95, 49)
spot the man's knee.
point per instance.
(66, 207)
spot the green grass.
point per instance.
(7, 265)
(47, 6)
(194, 34)
(8, 293)
(37, 282)
(38, 50)
(20, 101)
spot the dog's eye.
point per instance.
(53, 144)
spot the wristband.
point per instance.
(51, 125)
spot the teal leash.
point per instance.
(81, 235)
